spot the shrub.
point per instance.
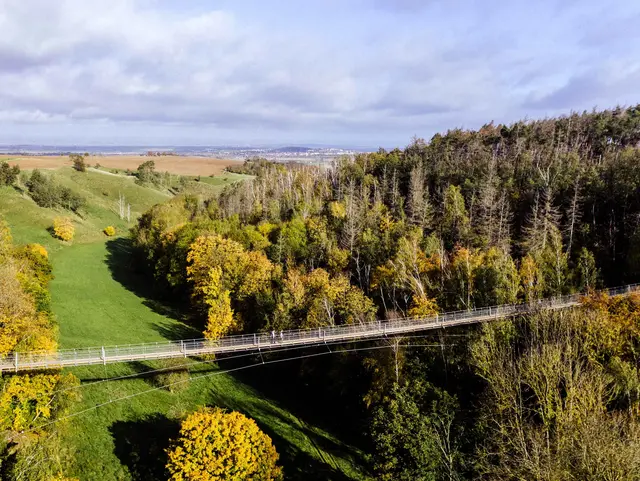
(78, 162)
(8, 174)
(215, 445)
(63, 228)
(110, 231)
(175, 378)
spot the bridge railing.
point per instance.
(266, 340)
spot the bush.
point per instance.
(215, 445)
(63, 228)
(110, 231)
(173, 380)
(8, 174)
(78, 162)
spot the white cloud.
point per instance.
(127, 62)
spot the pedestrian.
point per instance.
(281, 336)
(273, 336)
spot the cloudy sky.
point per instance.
(348, 72)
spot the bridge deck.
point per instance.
(22, 361)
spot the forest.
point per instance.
(507, 213)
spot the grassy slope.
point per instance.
(97, 300)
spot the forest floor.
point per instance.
(98, 298)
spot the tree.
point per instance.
(549, 403)
(46, 193)
(222, 271)
(420, 208)
(29, 400)
(455, 219)
(531, 279)
(462, 277)
(496, 279)
(412, 436)
(587, 271)
(542, 222)
(217, 446)
(8, 174)
(554, 264)
(317, 299)
(146, 173)
(79, 163)
(409, 274)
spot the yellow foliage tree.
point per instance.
(338, 210)
(221, 270)
(217, 446)
(109, 231)
(242, 273)
(423, 306)
(220, 320)
(27, 401)
(63, 228)
(531, 279)
(317, 299)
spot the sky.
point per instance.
(361, 73)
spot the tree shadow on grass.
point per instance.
(141, 445)
(122, 264)
(298, 464)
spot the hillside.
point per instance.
(98, 298)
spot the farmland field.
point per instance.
(185, 165)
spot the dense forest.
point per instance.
(503, 214)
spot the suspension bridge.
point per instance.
(25, 361)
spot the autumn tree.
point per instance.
(531, 279)
(214, 445)
(221, 270)
(316, 299)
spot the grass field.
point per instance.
(29, 223)
(98, 299)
